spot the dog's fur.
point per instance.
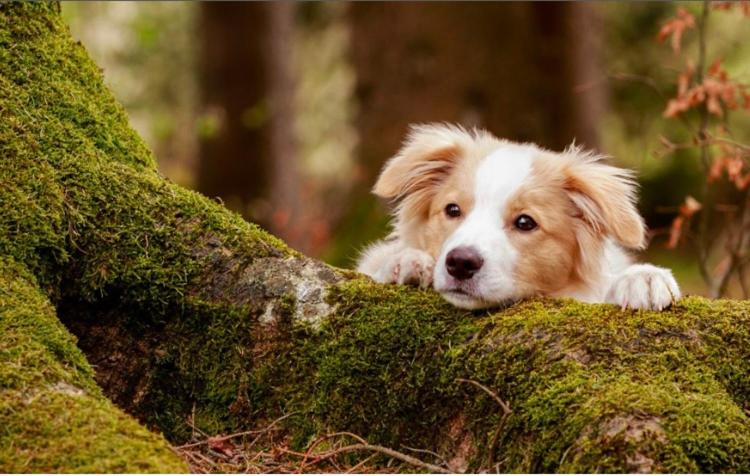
(584, 210)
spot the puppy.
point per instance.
(487, 222)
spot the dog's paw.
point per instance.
(644, 286)
(408, 266)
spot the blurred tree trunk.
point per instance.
(249, 154)
(522, 70)
(235, 162)
(590, 94)
(289, 219)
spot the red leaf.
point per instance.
(716, 169)
(675, 28)
(221, 445)
(676, 106)
(675, 232)
(689, 208)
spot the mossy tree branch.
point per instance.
(182, 308)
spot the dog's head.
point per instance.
(503, 220)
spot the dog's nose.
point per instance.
(462, 263)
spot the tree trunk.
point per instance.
(235, 160)
(249, 151)
(289, 220)
(185, 309)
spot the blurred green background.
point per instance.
(286, 111)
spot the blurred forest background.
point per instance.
(287, 111)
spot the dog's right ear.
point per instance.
(427, 156)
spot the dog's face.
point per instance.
(503, 220)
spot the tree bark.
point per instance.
(249, 150)
(235, 160)
(184, 310)
(289, 220)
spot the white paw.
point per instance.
(644, 286)
(408, 266)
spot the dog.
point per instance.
(487, 222)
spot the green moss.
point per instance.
(85, 211)
(83, 184)
(204, 368)
(592, 388)
(199, 298)
(53, 417)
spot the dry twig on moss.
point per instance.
(364, 446)
(507, 411)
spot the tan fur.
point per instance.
(606, 196)
(548, 256)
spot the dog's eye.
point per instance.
(453, 210)
(525, 223)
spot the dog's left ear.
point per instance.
(426, 157)
(606, 197)
(425, 160)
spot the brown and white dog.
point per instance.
(487, 222)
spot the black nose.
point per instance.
(463, 263)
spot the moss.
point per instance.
(187, 309)
(53, 417)
(85, 211)
(84, 186)
(593, 389)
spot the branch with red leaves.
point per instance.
(712, 93)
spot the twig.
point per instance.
(709, 140)
(501, 424)
(386, 451)
(712, 139)
(650, 82)
(736, 251)
(428, 452)
(503, 405)
(233, 435)
(326, 437)
(191, 424)
(704, 235)
(362, 445)
(360, 464)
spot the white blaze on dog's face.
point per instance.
(503, 220)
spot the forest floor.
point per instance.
(266, 450)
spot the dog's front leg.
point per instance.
(644, 286)
(391, 261)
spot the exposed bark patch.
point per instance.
(634, 429)
(121, 359)
(237, 279)
(461, 443)
(68, 389)
(302, 280)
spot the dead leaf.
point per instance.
(688, 208)
(222, 445)
(675, 27)
(675, 232)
